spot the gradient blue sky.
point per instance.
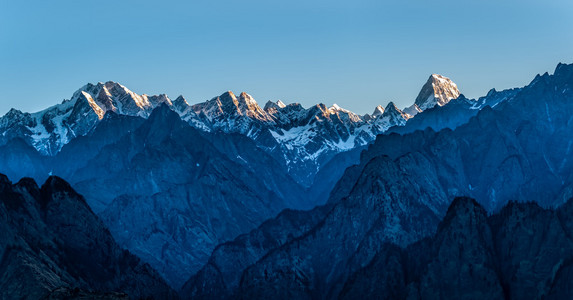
(357, 54)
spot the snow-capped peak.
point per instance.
(378, 111)
(336, 107)
(438, 90)
(391, 109)
(50, 129)
(274, 106)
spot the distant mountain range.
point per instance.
(301, 139)
(199, 191)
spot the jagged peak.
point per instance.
(438, 77)
(564, 71)
(13, 112)
(563, 68)
(180, 100)
(438, 90)
(162, 111)
(336, 108)
(247, 99)
(391, 107)
(322, 108)
(55, 185)
(464, 209)
(180, 104)
(392, 111)
(110, 85)
(378, 111)
(540, 77)
(28, 184)
(4, 180)
(228, 94)
(270, 105)
(462, 203)
(226, 99)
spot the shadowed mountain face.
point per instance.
(522, 252)
(404, 184)
(53, 244)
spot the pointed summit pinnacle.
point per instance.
(438, 90)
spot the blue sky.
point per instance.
(357, 54)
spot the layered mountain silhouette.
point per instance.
(521, 252)
(201, 174)
(516, 151)
(226, 199)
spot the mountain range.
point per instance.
(225, 199)
(220, 168)
(517, 150)
(302, 140)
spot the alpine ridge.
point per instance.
(513, 149)
(301, 139)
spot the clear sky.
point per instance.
(356, 53)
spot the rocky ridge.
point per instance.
(52, 242)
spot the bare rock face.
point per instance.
(53, 245)
(438, 90)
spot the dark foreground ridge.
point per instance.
(53, 246)
(522, 252)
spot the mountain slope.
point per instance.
(51, 241)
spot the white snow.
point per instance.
(296, 136)
(345, 145)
